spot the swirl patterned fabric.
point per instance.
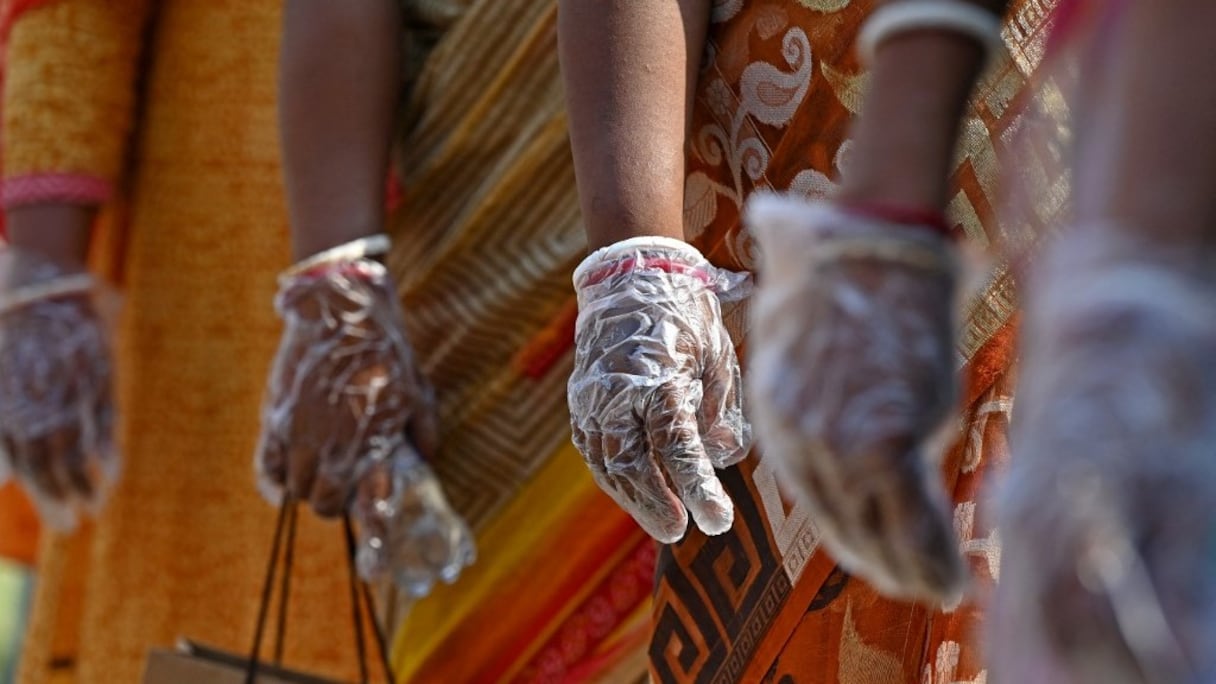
(488, 236)
(763, 603)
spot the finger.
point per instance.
(330, 494)
(37, 463)
(301, 471)
(70, 465)
(902, 533)
(584, 444)
(99, 435)
(373, 491)
(339, 466)
(638, 485)
(34, 470)
(411, 509)
(6, 464)
(725, 431)
(270, 468)
(676, 440)
(423, 430)
(464, 553)
(920, 517)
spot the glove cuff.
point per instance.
(64, 286)
(669, 255)
(355, 250)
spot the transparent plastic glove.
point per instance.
(344, 389)
(655, 396)
(407, 530)
(1108, 514)
(851, 371)
(56, 407)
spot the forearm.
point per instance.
(338, 83)
(905, 137)
(630, 69)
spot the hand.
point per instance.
(851, 370)
(345, 390)
(407, 530)
(655, 396)
(56, 408)
(1108, 513)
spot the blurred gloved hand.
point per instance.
(851, 371)
(655, 397)
(344, 402)
(1108, 512)
(407, 530)
(56, 407)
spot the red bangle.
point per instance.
(917, 217)
(643, 263)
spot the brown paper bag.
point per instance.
(193, 663)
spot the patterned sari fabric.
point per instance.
(763, 603)
(487, 236)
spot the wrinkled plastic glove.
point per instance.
(407, 530)
(344, 402)
(56, 406)
(655, 397)
(851, 370)
(1108, 513)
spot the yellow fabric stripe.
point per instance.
(509, 538)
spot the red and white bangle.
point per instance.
(651, 253)
(906, 16)
(922, 218)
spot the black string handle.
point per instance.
(360, 594)
(366, 594)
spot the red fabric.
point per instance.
(18, 525)
(54, 187)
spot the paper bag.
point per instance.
(195, 664)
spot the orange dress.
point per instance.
(170, 107)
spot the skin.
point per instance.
(904, 139)
(630, 71)
(339, 81)
(338, 95)
(628, 128)
(57, 231)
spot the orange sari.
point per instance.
(764, 602)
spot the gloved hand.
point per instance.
(344, 402)
(56, 409)
(851, 371)
(407, 530)
(1108, 512)
(655, 397)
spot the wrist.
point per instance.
(312, 237)
(641, 254)
(364, 249)
(58, 233)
